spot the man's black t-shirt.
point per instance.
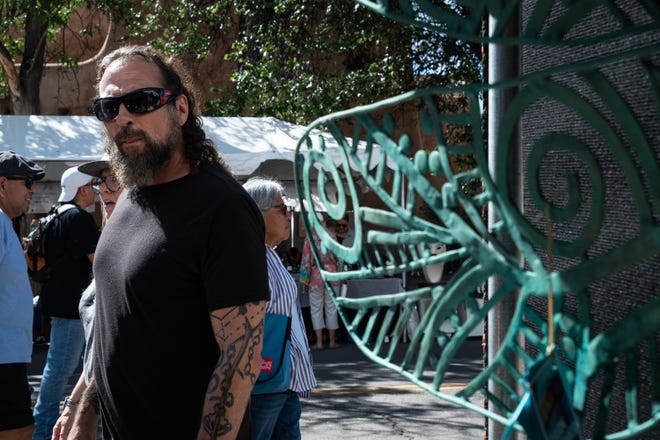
(71, 237)
(169, 255)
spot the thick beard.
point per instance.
(139, 169)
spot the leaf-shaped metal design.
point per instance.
(394, 236)
(549, 22)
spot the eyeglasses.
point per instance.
(29, 181)
(110, 181)
(341, 225)
(138, 101)
(284, 209)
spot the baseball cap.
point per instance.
(12, 164)
(72, 179)
(95, 168)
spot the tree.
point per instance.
(63, 33)
(191, 28)
(33, 33)
(299, 59)
(294, 59)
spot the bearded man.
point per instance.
(180, 267)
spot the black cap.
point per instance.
(12, 164)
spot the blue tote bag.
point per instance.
(275, 375)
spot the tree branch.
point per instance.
(10, 71)
(101, 52)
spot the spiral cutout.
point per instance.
(556, 142)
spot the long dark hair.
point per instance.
(198, 148)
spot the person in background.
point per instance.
(70, 247)
(345, 236)
(81, 414)
(343, 231)
(180, 270)
(322, 306)
(277, 415)
(17, 177)
(330, 224)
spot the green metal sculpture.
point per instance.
(394, 238)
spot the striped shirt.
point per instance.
(284, 300)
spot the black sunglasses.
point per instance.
(138, 101)
(110, 181)
(341, 225)
(29, 181)
(284, 209)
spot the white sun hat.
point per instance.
(72, 179)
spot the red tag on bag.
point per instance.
(266, 365)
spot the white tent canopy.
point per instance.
(247, 144)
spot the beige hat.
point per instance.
(96, 167)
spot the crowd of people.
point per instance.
(166, 300)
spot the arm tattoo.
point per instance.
(90, 399)
(216, 423)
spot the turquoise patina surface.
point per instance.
(392, 237)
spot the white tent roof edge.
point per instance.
(245, 143)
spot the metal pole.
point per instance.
(403, 205)
(503, 63)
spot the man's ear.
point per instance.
(80, 192)
(182, 108)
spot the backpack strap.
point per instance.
(65, 207)
(57, 211)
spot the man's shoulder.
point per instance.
(225, 191)
(69, 207)
(75, 219)
(215, 173)
(70, 210)
(221, 183)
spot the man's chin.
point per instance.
(131, 149)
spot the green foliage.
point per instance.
(297, 60)
(4, 88)
(34, 32)
(442, 60)
(12, 21)
(300, 59)
(178, 26)
(294, 59)
(15, 15)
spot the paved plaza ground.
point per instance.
(357, 399)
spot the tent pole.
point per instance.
(403, 205)
(293, 214)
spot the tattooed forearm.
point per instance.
(216, 423)
(226, 322)
(90, 399)
(87, 415)
(239, 331)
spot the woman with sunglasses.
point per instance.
(80, 414)
(343, 232)
(345, 236)
(277, 415)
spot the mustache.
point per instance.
(127, 132)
